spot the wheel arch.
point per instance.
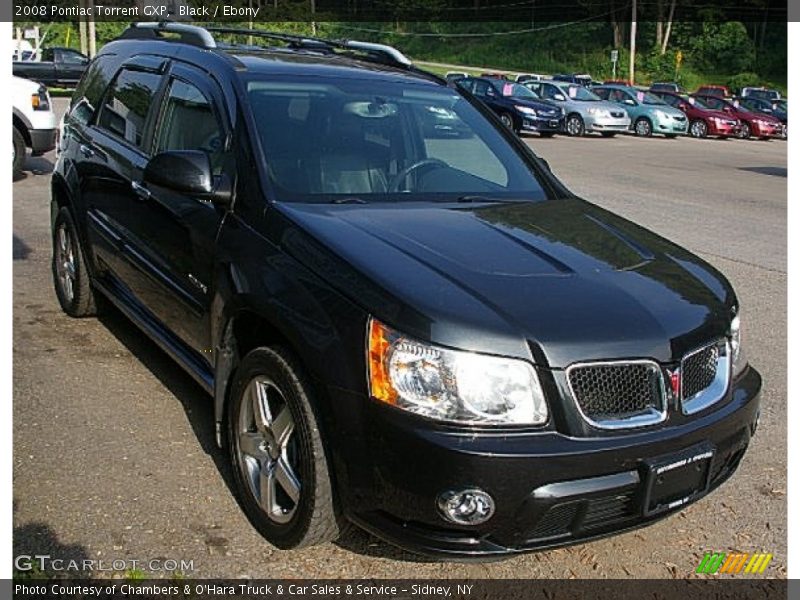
(23, 128)
(243, 331)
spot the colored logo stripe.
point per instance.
(714, 562)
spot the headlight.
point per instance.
(41, 99)
(660, 114)
(737, 353)
(526, 110)
(451, 385)
(599, 112)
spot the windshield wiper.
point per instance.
(348, 200)
(475, 198)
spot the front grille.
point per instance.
(699, 370)
(608, 509)
(618, 392)
(557, 521)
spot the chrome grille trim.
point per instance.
(716, 390)
(650, 416)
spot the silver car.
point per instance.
(585, 111)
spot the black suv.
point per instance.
(426, 335)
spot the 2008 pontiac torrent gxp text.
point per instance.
(405, 321)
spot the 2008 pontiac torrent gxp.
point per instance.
(405, 321)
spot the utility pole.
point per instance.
(632, 66)
(91, 32)
(82, 29)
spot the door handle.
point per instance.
(141, 191)
(86, 151)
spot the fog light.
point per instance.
(466, 507)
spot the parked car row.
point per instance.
(612, 108)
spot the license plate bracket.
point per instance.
(677, 479)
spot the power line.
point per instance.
(476, 35)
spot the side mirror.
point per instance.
(187, 172)
(559, 97)
(684, 107)
(629, 102)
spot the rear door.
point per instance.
(181, 229)
(118, 155)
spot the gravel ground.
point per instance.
(114, 456)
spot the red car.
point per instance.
(753, 124)
(719, 91)
(702, 121)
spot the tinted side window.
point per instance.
(70, 57)
(671, 100)
(127, 105)
(47, 55)
(189, 123)
(92, 86)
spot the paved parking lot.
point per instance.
(114, 456)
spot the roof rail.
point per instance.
(188, 34)
(204, 38)
(390, 51)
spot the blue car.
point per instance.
(649, 114)
(519, 108)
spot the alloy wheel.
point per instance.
(65, 263)
(268, 450)
(574, 125)
(507, 121)
(744, 132)
(643, 127)
(699, 129)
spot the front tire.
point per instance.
(508, 121)
(70, 275)
(698, 129)
(575, 126)
(279, 462)
(19, 151)
(643, 127)
(744, 132)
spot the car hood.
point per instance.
(537, 104)
(558, 281)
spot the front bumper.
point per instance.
(607, 124)
(767, 131)
(671, 126)
(550, 489)
(723, 128)
(547, 124)
(42, 140)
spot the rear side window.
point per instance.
(92, 86)
(127, 105)
(189, 123)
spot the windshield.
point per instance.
(578, 92)
(345, 140)
(648, 98)
(516, 90)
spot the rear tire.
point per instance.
(279, 462)
(70, 275)
(19, 151)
